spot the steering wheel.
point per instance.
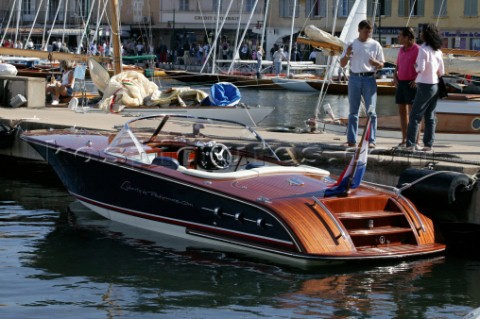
(220, 156)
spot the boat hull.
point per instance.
(241, 81)
(267, 209)
(342, 88)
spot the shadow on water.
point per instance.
(91, 267)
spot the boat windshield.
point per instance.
(139, 137)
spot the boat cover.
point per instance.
(7, 69)
(133, 89)
(223, 94)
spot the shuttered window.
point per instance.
(286, 8)
(385, 7)
(411, 7)
(316, 8)
(440, 8)
(344, 7)
(471, 8)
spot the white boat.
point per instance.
(300, 85)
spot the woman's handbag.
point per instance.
(442, 88)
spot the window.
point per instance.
(82, 7)
(411, 7)
(137, 11)
(475, 44)
(344, 7)
(28, 10)
(286, 8)
(440, 8)
(249, 5)
(183, 5)
(27, 7)
(384, 7)
(316, 8)
(471, 8)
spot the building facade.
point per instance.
(175, 23)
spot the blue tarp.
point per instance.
(223, 94)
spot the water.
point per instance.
(55, 263)
(293, 108)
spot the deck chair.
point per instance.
(79, 75)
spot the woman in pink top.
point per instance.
(404, 78)
(429, 67)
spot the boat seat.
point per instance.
(255, 172)
(254, 165)
(166, 161)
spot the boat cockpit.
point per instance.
(200, 147)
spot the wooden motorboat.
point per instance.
(220, 184)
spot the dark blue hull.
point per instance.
(132, 190)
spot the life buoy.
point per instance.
(442, 191)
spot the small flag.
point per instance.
(352, 175)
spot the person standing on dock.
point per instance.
(278, 57)
(429, 66)
(404, 78)
(259, 58)
(365, 56)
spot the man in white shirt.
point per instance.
(366, 57)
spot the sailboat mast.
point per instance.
(64, 21)
(291, 37)
(213, 47)
(47, 8)
(262, 38)
(117, 53)
(18, 22)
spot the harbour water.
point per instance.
(58, 260)
(293, 108)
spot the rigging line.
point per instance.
(291, 37)
(64, 22)
(34, 22)
(411, 12)
(18, 22)
(45, 45)
(243, 35)
(54, 19)
(374, 13)
(203, 18)
(307, 18)
(8, 23)
(262, 38)
(217, 35)
(85, 30)
(237, 33)
(439, 12)
(331, 64)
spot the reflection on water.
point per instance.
(74, 264)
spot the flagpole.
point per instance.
(357, 154)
